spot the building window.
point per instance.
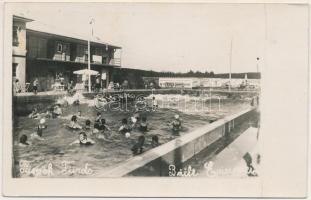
(15, 36)
(59, 48)
(98, 51)
(14, 65)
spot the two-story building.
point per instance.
(50, 52)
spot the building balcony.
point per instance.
(17, 51)
(115, 61)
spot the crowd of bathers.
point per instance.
(90, 131)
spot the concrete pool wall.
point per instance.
(156, 162)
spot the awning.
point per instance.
(86, 72)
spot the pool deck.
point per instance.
(155, 91)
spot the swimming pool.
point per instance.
(54, 157)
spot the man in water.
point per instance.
(125, 128)
(39, 132)
(143, 127)
(176, 125)
(83, 140)
(138, 147)
(23, 141)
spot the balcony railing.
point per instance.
(115, 61)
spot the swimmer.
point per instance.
(97, 121)
(74, 124)
(38, 134)
(154, 103)
(105, 133)
(83, 140)
(143, 127)
(155, 141)
(23, 141)
(48, 114)
(79, 115)
(103, 126)
(176, 125)
(34, 114)
(134, 119)
(125, 128)
(57, 111)
(138, 147)
(87, 124)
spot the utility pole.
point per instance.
(89, 54)
(257, 64)
(230, 64)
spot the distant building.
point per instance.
(43, 53)
(192, 82)
(177, 82)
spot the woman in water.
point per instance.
(125, 128)
(83, 140)
(74, 124)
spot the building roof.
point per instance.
(19, 18)
(37, 26)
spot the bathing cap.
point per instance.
(42, 121)
(176, 116)
(134, 120)
(127, 135)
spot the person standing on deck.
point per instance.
(17, 86)
(97, 84)
(35, 86)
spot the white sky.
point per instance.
(166, 37)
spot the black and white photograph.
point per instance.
(143, 90)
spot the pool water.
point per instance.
(54, 157)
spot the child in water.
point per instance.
(74, 124)
(83, 140)
(39, 131)
(23, 141)
(125, 128)
(176, 125)
(143, 127)
(138, 147)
